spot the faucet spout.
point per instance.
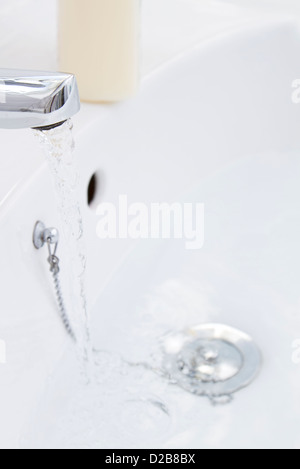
(39, 100)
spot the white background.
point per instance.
(28, 28)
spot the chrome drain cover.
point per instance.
(211, 360)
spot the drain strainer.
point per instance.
(211, 360)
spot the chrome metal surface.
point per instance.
(50, 236)
(38, 235)
(30, 99)
(42, 235)
(211, 360)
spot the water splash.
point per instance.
(121, 403)
(58, 145)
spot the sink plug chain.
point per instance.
(41, 236)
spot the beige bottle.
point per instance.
(99, 43)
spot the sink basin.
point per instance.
(217, 126)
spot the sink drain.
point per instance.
(211, 360)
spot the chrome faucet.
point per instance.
(40, 100)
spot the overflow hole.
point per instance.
(92, 189)
(95, 189)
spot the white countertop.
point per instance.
(28, 40)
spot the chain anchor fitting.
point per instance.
(50, 236)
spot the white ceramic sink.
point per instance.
(217, 126)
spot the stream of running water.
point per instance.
(58, 145)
